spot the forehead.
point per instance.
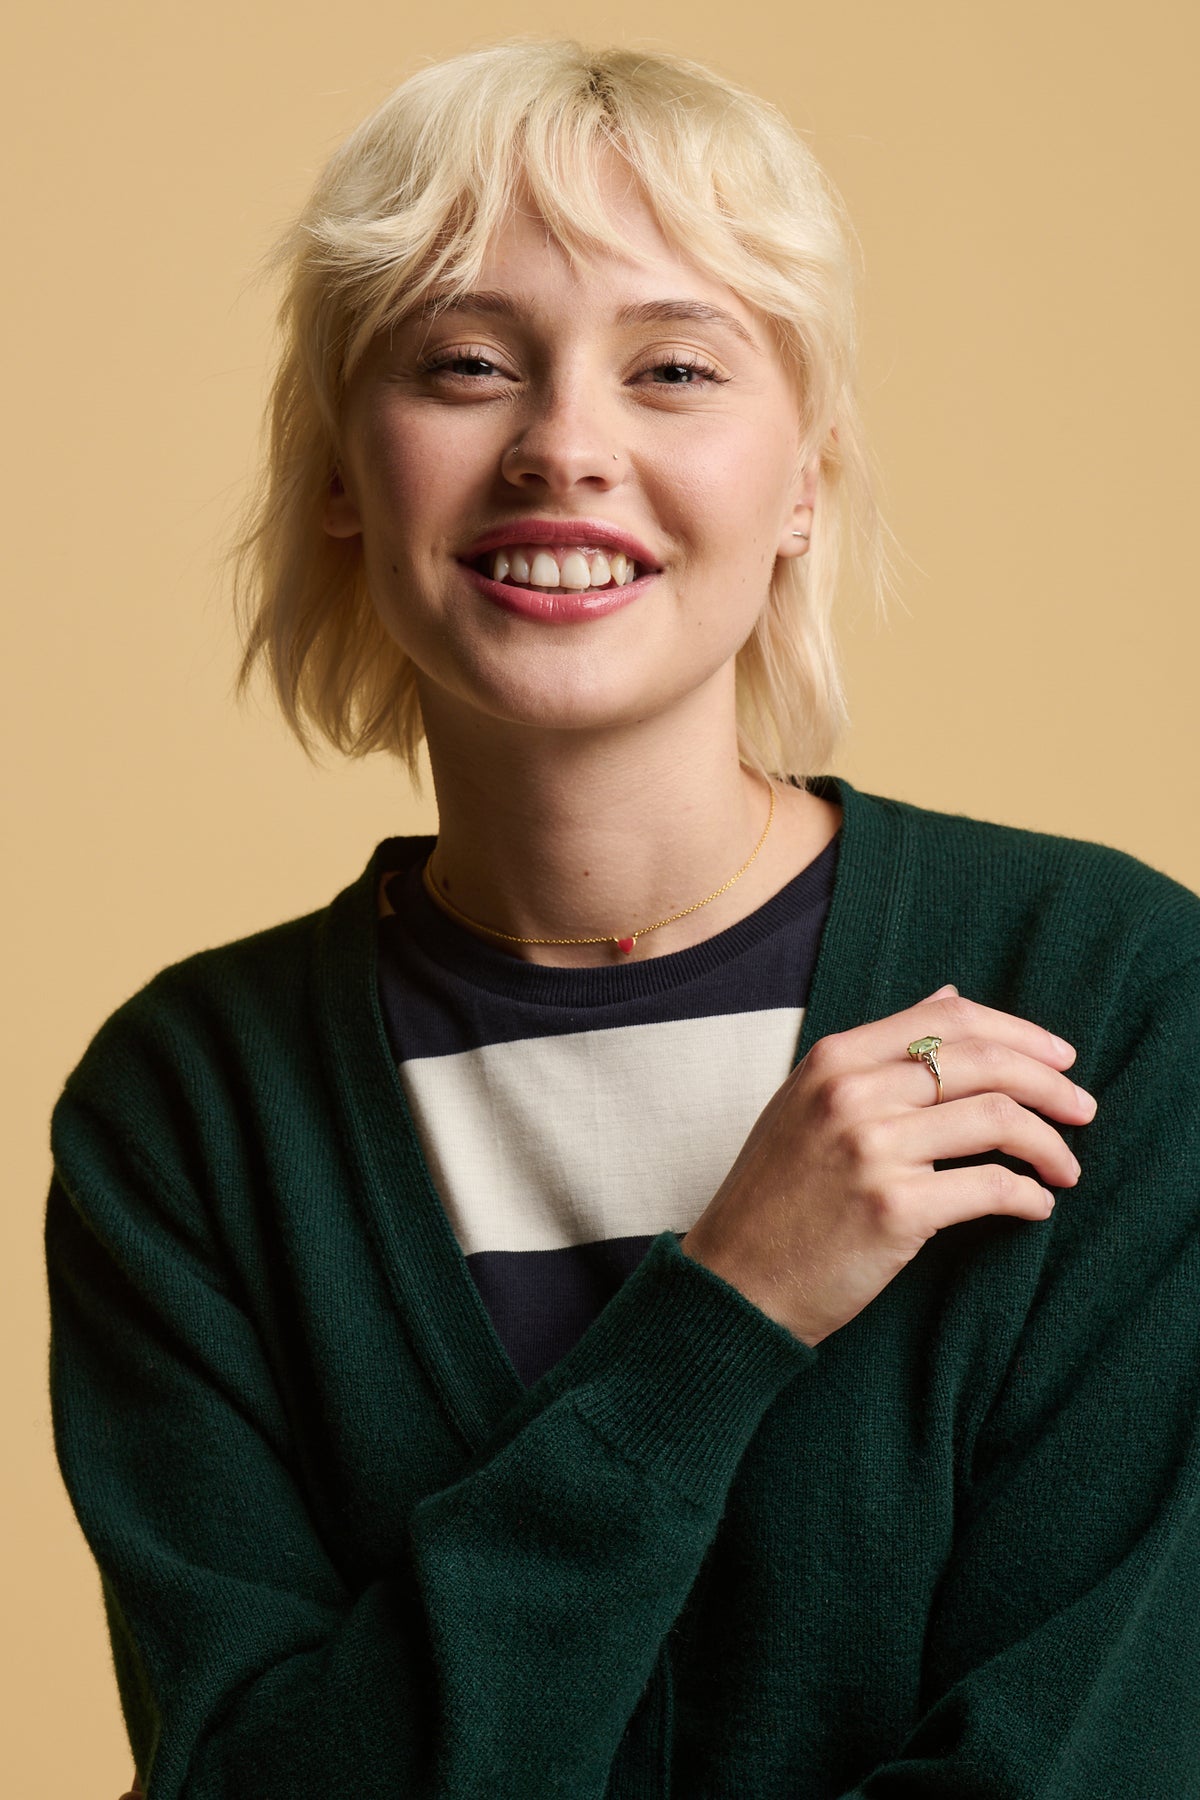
(640, 277)
(637, 236)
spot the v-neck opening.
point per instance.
(423, 1263)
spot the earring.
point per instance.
(801, 534)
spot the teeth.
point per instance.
(575, 572)
(544, 571)
(567, 568)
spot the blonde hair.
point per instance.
(410, 200)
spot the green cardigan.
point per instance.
(953, 1551)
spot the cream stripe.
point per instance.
(554, 1141)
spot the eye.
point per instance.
(464, 365)
(683, 371)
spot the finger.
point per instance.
(980, 1123)
(954, 1016)
(955, 1195)
(980, 1065)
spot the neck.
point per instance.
(574, 834)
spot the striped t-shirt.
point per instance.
(568, 1116)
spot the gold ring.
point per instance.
(925, 1050)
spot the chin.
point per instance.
(559, 704)
(560, 683)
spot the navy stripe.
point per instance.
(542, 1301)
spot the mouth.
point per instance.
(558, 569)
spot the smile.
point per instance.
(557, 569)
(545, 595)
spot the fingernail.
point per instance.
(1078, 1170)
(1083, 1097)
(1062, 1046)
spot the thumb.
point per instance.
(942, 992)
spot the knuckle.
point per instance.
(846, 1095)
(872, 1142)
(826, 1101)
(986, 1053)
(825, 1056)
(958, 1011)
(838, 1100)
(881, 1205)
(999, 1111)
(1002, 1184)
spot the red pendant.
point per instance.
(625, 946)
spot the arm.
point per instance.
(505, 1649)
(1062, 1654)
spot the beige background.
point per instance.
(1023, 182)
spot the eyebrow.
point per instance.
(642, 312)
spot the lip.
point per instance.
(592, 534)
(558, 609)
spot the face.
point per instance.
(635, 406)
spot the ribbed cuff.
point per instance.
(678, 1370)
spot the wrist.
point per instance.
(761, 1293)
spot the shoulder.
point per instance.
(233, 1016)
(252, 978)
(1071, 896)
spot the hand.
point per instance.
(834, 1190)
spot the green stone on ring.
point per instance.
(925, 1050)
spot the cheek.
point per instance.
(731, 487)
(411, 474)
(398, 481)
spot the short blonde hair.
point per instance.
(410, 200)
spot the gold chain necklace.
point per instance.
(624, 944)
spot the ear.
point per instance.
(339, 514)
(803, 508)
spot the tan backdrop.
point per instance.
(1023, 182)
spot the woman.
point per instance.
(582, 1313)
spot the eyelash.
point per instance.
(441, 365)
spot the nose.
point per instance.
(564, 444)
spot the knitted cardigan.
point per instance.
(952, 1551)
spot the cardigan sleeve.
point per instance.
(1062, 1654)
(506, 1648)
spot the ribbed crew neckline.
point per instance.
(456, 949)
